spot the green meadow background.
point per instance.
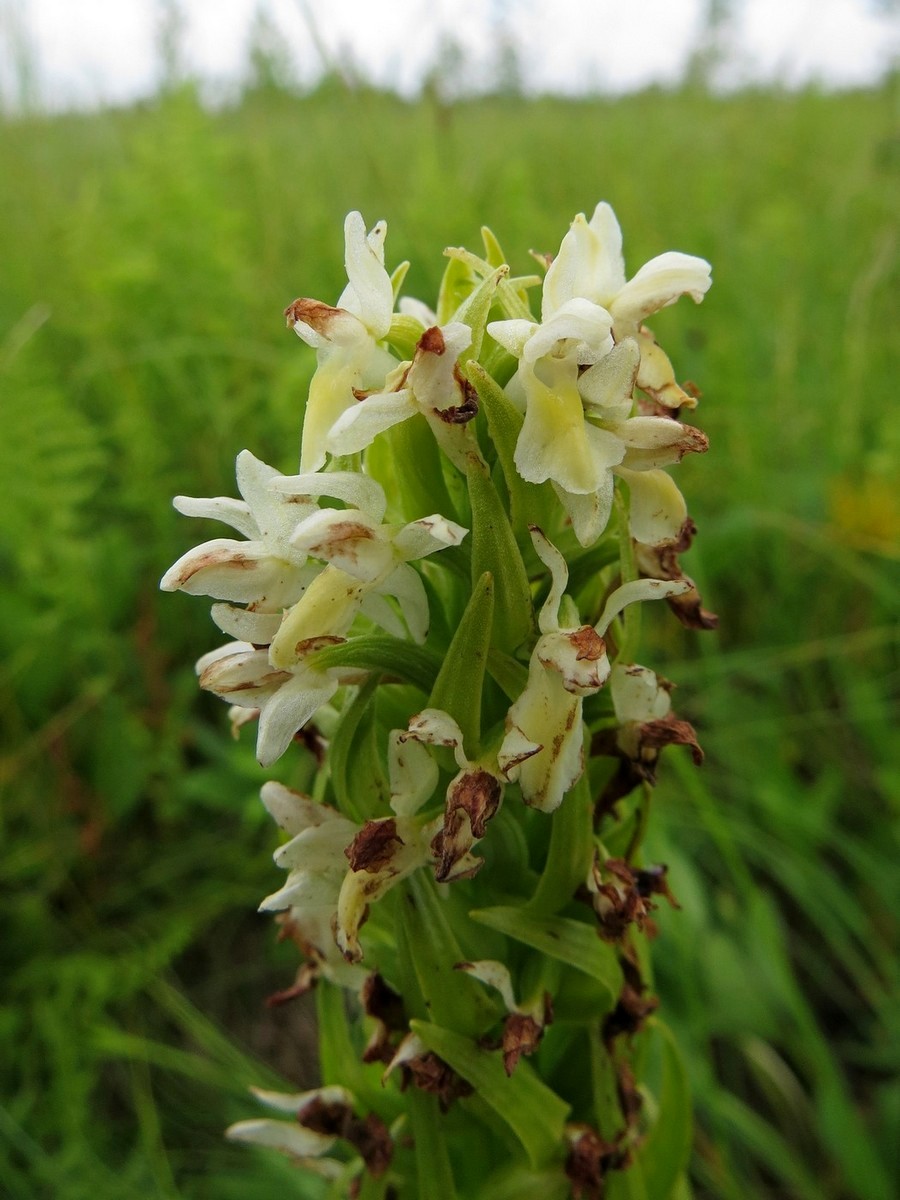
(147, 255)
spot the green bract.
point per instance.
(405, 607)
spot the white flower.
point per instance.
(316, 865)
(268, 572)
(590, 265)
(543, 746)
(431, 384)
(242, 675)
(265, 570)
(346, 338)
(472, 798)
(366, 561)
(577, 390)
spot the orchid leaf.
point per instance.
(534, 1113)
(457, 689)
(385, 655)
(494, 549)
(449, 996)
(572, 942)
(664, 1153)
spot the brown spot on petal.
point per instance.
(588, 644)
(373, 847)
(522, 1034)
(432, 341)
(314, 313)
(460, 414)
(308, 645)
(471, 802)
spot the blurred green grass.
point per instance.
(147, 256)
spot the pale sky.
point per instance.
(95, 50)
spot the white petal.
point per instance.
(241, 678)
(220, 508)
(606, 388)
(437, 728)
(326, 609)
(305, 890)
(426, 536)
(589, 514)
(222, 652)
(410, 307)
(286, 1136)
(550, 716)
(406, 585)
(369, 294)
(291, 1103)
(656, 510)
(413, 773)
(553, 443)
(288, 710)
(610, 265)
(636, 590)
(359, 426)
(254, 480)
(410, 1047)
(348, 539)
(636, 694)
(224, 568)
(654, 442)
(548, 618)
(579, 656)
(379, 610)
(292, 811)
(589, 263)
(495, 975)
(257, 628)
(352, 487)
(585, 325)
(512, 335)
(659, 283)
(319, 848)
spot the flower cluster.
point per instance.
(443, 597)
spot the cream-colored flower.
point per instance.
(286, 699)
(366, 561)
(347, 338)
(590, 265)
(431, 384)
(472, 799)
(543, 746)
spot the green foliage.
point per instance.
(141, 343)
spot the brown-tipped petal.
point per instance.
(373, 847)
(662, 562)
(656, 377)
(668, 731)
(472, 800)
(521, 1035)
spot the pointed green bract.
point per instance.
(457, 689)
(494, 549)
